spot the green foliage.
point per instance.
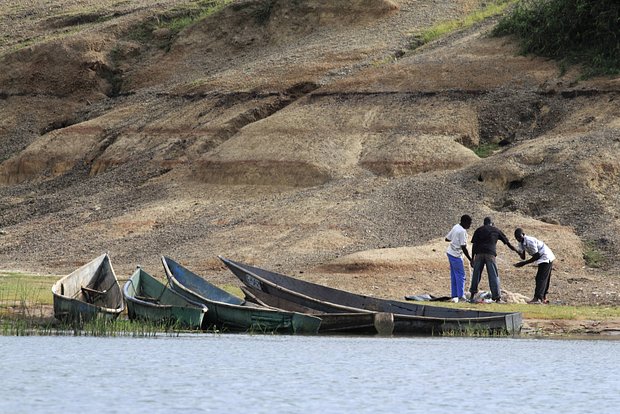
(192, 14)
(592, 255)
(573, 31)
(475, 330)
(490, 9)
(484, 150)
(99, 327)
(176, 20)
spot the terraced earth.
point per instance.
(316, 138)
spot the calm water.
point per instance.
(288, 374)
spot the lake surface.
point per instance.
(220, 373)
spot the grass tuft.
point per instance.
(485, 150)
(175, 21)
(492, 8)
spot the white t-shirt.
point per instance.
(458, 238)
(532, 245)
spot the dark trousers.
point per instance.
(480, 261)
(543, 277)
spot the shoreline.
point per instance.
(605, 329)
(572, 328)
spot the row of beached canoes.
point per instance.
(273, 303)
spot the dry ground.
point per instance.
(305, 137)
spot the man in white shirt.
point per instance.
(457, 237)
(541, 256)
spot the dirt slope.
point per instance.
(305, 137)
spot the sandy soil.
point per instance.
(309, 138)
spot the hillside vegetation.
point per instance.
(572, 31)
(327, 139)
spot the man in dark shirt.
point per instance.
(484, 242)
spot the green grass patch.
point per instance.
(175, 20)
(485, 150)
(492, 8)
(24, 288)
(550, 312)
(573, 32)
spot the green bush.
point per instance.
(485, 150)
(583, 32)
(592, 255)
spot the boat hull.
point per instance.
(90, 292)
(228, 312)
(409, 318)
(341, 322)
(150, 300)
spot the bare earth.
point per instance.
(306, 137)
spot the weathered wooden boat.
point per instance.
(409, 318)
(92, 291)
(150, 300)
(229, 312)
(341, 322)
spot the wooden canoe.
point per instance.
(150, 300)
(409, 318)
(228, 312)
(341, 322)
(88, 292)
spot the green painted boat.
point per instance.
(92, 291)
(229, 312)
(150, 300)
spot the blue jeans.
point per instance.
(480, 261)
(457, 276)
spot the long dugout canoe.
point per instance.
(409, 318)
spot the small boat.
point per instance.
(341, 322)
(92, 291)
(229, 312)
(409, 318)
(150, 300)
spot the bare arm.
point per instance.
(505, 240)
(528, 261)
(464, 247)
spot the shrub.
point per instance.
(592, 255)
(583, 32)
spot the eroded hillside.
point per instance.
(303, 136)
